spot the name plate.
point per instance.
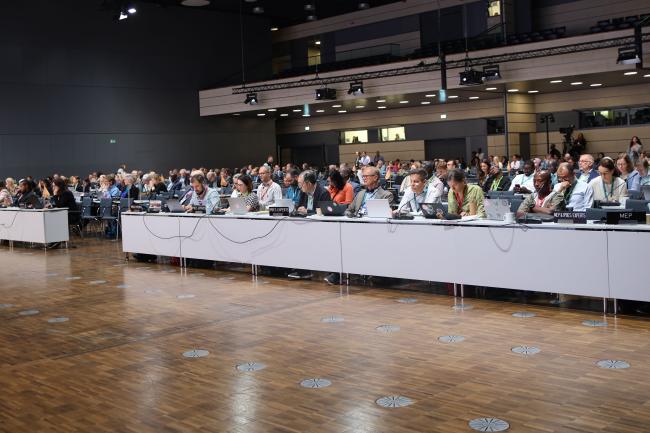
(570, 217)
(625, 217)
(276, 211)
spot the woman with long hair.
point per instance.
(608, 187)
(340, 190)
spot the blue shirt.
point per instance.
(293, 193)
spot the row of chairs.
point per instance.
(620, 23)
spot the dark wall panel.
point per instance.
(71, 84)
(381, 29)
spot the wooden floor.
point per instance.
(117, 364)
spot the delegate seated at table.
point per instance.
(372, 191)
(464, 199)
(543, 200)
(26, 197)
(203, 196)
(311, 193)
(420, 191)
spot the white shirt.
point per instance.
(612, 194)
(582, 196)
(524, 181)
(411, 202)
(268, 194)
(365, 160)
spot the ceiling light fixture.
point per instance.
(631, 73)
(356, 88)
(284, 114)
(628, 56)
(577, 83)
(274, 29)
(453, 96)
(363, 5)
(595, 85)
(316, 42)
(325, 94)
(307, 128)
(473, 97)
(297, 110)
(258, 10)
(261, 114)
(491, 88)
(533, 91)
(430, 95)
(425, 102)
(342, 111)
(513, 90)
(336, 106)
(360, 106)
(251, 99)
(443, 116)
(381, 107)
(556, 81)
(380, 100)
(403, 102)
(312, 17)
(491, 73)
(272, 109)
(320, 111)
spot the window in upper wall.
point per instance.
(494, 8)
(614, 117)
(352, 137)
(639, 115)
(393, 133)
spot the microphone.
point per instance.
(399, 216)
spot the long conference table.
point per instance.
(41, 226)
(606, 261)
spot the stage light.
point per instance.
(325, 94)
(251, 99)
(131, 9)
(491, 73)
(628, 56)
(470, 77)
(356, 89)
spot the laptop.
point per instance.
(284, 202)
(378, 208)
(237, 205)
(329, 208)
(174, 206)
(496, 208)
(437, 211)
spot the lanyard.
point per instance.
(496, 183)
(611, 194)
(569, 192)
(460, 199)
(265, 191)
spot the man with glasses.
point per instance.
(372, 191)
(586, 164)
(578, 196)
(268, 191)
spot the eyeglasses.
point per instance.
(365, 176)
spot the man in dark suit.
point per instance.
(311, 193)
(372, 191)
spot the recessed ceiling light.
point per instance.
(491, 88)
(272, 109)
(431, 95)
(307, 128)
(533, 91)
(443, 116)
(336, 106)
(631, 73)
(236, 114)
(403, 102)
(452, 96)
(342, 111)
(360, 106)
(261, 114)
(646, 76)
(317, 43)
(284, 114)
(380, 100)
(425, 102)
(274, 29)
(297, 110)
(513, 90)
(595, 85)
(473, 97)
(381, 107)
(577, 83)
(555, 81)
(195, 3)
(306, 115)
(320, 111)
